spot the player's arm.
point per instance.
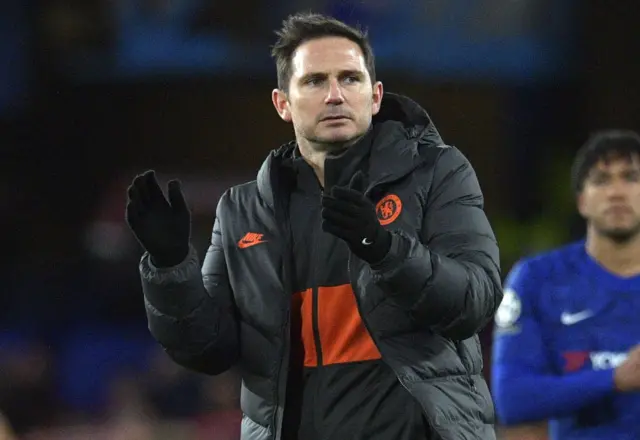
(531, 431)
(525, 386)
(190, 311)
(450, 279)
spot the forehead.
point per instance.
(616, 163)
(327, 55)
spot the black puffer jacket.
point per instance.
(423, 304)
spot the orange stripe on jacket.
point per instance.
(343, 336)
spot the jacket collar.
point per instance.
(400, 132)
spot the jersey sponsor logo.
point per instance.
(388, 209)
(509, 310)
(573, 318)
(606, 360)
(574, 360)
(598, 360)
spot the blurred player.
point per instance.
(348, 282)
(567, 331)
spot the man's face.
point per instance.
(610, 199)
(331, 99)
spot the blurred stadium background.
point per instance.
(94, 91)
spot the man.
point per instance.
(349, 281)
(568, 328)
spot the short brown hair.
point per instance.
(302, 27)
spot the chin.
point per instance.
(620, 234)
(344, 131)
(337, 138)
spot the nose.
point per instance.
(334, 94)
(617, 189)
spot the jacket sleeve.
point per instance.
(449, 277)
(190, 310)
(526, 387)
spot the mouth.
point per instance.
(618, 209)
(334, 118)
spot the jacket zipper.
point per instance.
(354, 288)
(315, 261)
(316, 331)
(314, 293)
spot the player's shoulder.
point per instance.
(543, 281)
(550, 266)
(240, 193)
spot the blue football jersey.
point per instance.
(563, 326)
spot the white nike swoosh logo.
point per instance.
(573, 318)
(366, 242)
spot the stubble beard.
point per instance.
(332, 148)
(619, 235)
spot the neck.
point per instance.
(315, 155)
(622, 259)
(315, 158)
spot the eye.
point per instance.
(313, 81)
(600, 179)
(632, 176)
(351, 79)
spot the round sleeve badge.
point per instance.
(509, 310)
(388, 209)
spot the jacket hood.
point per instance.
(399, 116)
(410, 114)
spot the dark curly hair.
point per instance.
(603, 145)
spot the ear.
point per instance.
(280, 102)
(580, 204)
(378, 91)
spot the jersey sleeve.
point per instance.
(525, 387)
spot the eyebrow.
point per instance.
(342, 74)
(626, 171)
(351, 73)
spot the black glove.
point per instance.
(349, 215)
(162, 227)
